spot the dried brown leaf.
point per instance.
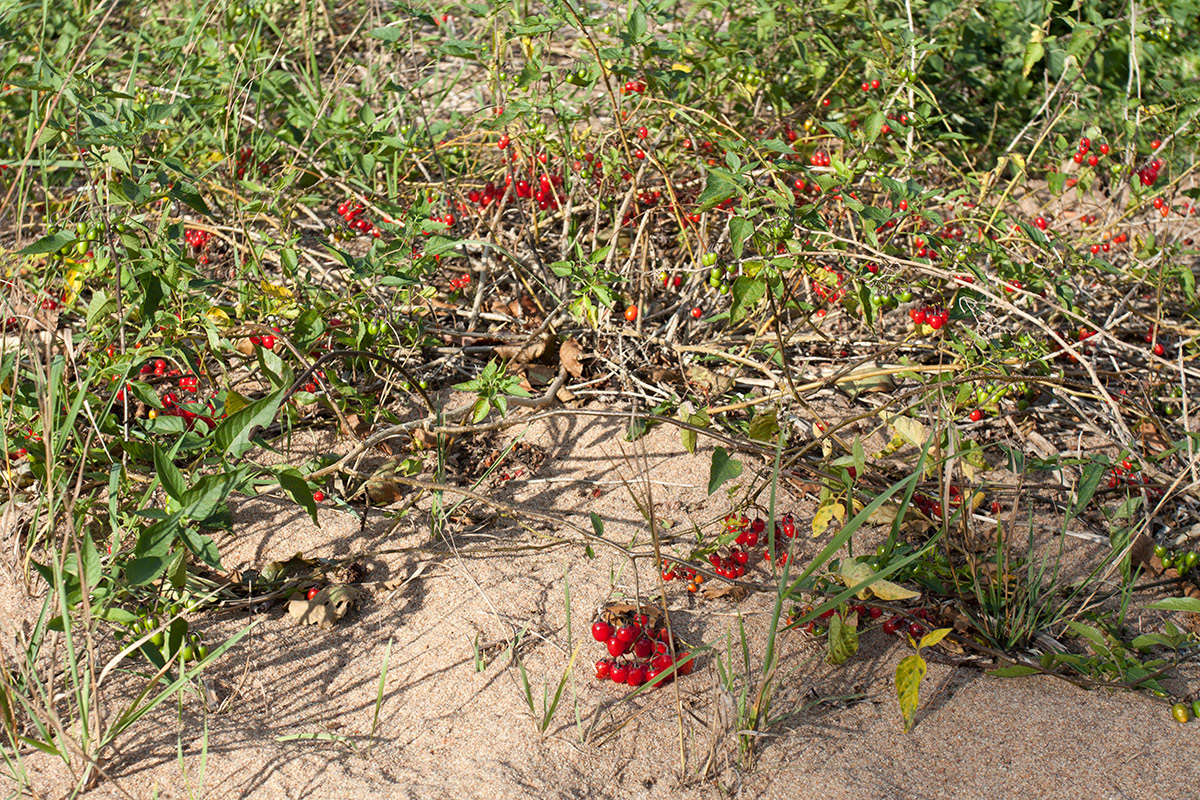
(732, 591)
(568, 355)
(523, 352)
(330, 605)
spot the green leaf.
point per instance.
(292, 482)
(764, 426)
(1033, 52)
(48, 244)
(746, 292)
(1189, 604)
(1014, 671)
(203, 546)
(169, 475)
(1088, 483)
(100, 306)
(843, 639)
(909, 673)
(717, 188)
(700, 420)
(873, 126)
(207, 495)
(723, 469)
(143, 570)
(386, 34)
(235, 432)
(637, 23)
(740, 229)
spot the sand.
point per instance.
(447, 729)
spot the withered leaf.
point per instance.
(355, 426)
(569, 353)
(330, 605)
(523, 352)
(730, 591)
(1152, 437)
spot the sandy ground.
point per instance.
(446, 729)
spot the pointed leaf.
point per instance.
(909, 673)
(933, 637)
(723, 469)
(843, 638)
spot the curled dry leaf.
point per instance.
(569, 353)
(330, 605)
(524, 352)
(730, 591)
(355, 426)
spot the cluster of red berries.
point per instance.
(734, 563)
(173, 405)
(485, 198)
(1106, 246)
(1085, 144)
(267, 341)
(871, 84)
(923, 250)
(934, 316)
(815, 627)
(1148, 174)
(896, 624)
(245, 159)
(638, 653)
(198, 240)
(633, 87)
(831, 294)
(460, 281)
(819, 159)
(547, 195)
(1124, 473)
(800, 186)
(352, 213)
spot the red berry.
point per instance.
(697, 313)
(318, 496)
(1155, 144)
(603, 669)
(268, 342)
(503, 143)
(976, 415)
(636, 676)
(643, 132)
(631, 313)
(1104, 148)
(311, 593)
(889, 627)
(643, 647)
(1158, 349)
(601, 631)
(616, 647)
(626, 634)
(915, 629)
(618, 672)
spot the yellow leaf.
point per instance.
(909, 673)
(218, 316)
(681, 67)
(278, 292)
(933, 637)
(824, 516)
(71, 287)
(910, 430)
(886, 590)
